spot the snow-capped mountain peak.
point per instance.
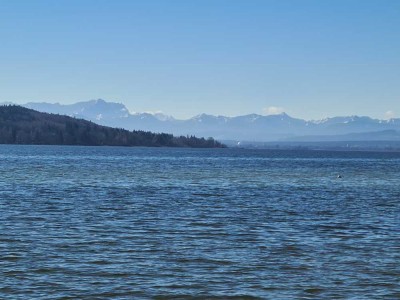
(253, 127)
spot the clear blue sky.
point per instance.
(183, 57)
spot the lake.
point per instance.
(162, 223)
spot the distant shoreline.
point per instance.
(381, 146)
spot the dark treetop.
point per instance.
(19, 125)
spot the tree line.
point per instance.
(20, 125)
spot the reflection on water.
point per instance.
(123, 223)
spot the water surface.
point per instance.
(124, 223)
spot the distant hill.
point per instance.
(252, 127)
(20, 125)
(384, 135)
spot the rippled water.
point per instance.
(131, 223)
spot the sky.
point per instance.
(311, 59)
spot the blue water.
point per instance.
(132, 223)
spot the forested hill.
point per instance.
(19, 125)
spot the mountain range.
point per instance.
(252, 127)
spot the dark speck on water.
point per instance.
(161, 223)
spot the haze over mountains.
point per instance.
(253, 127)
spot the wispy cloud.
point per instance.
(389, 114)
(273, 110)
